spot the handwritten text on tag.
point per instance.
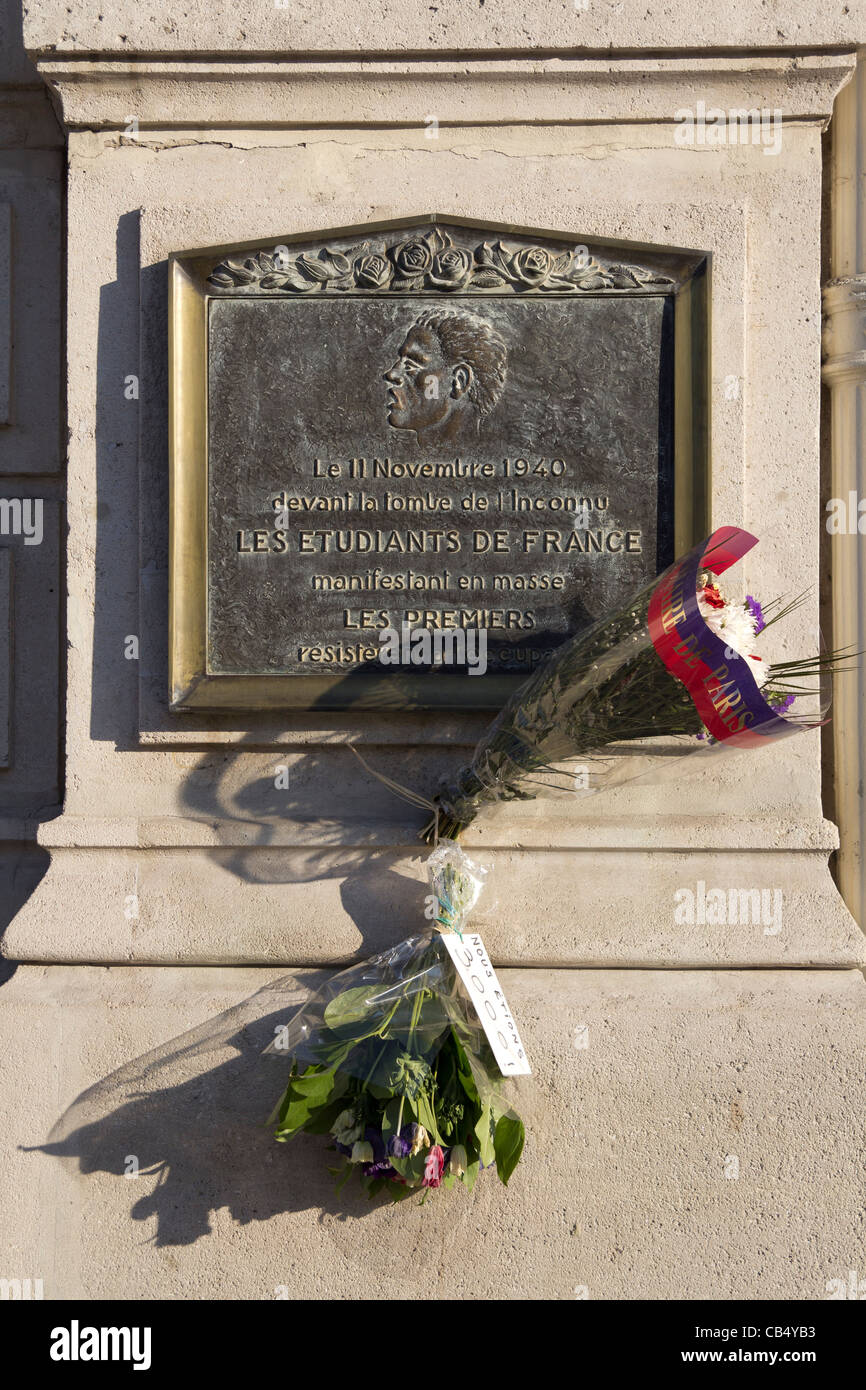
(485, 991)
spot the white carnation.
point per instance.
(735, 626)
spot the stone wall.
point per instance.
(695, 1097)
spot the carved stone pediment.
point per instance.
(435, 258)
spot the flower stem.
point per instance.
(416, 1013)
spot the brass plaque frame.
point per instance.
(197, 277)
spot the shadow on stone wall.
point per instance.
(341, 823)
(114, 678)
(22, 165)
(21, 871)
(200, 1128)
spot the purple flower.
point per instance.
(378, 1170)
(398, 1146)
(781, 705)
(374, 1137)
(757, 613)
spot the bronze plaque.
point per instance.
(434, 429)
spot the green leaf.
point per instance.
(410, 1075)
(508, 1144)
(332, 1055)
(344, 1177)
(446, 1072)
(427, 1116)
(485, 1131)
(411, 1168)
(353, 1013)
(278, 1113)
(294, 1119)
(320, 1120)
(315, 1087)
(464, 1071)
(389, 1120)
(305, 1097)
(472, 1171)
(427, 1028)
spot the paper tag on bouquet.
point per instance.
(479, 977)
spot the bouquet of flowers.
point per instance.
(396, 1059)
(678, 659)
(391, 1059)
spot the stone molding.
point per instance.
(328, 905)
(101, 94)
(641, 831)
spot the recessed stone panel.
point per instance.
(428, 453)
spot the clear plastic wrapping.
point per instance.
(656, 668)
(390, 1059)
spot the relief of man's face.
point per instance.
(427, 393)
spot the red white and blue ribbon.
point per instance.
(724, 691)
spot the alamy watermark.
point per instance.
(21, 1290)
(77, 1343)
(705, 125)
(729, 907)
(22, 516)
(853, 1288)
(846, 516)
(424, 646)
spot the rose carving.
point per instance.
(429, 261)
(373, 272)
(412, 258)
(531, 266)
(450, 269)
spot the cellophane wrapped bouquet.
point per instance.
(390, 1061)
(679, 660)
